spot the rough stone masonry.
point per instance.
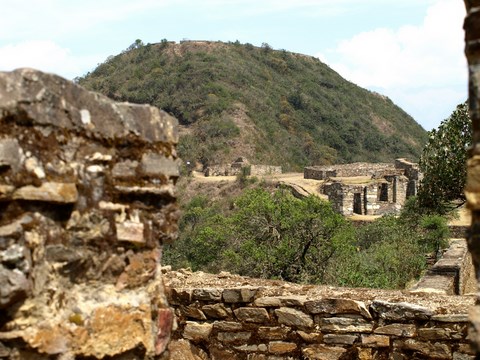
(472, 190)
(86, 200)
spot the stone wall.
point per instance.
(366, 198)
(86, 200)
(262, 170)
(229, 320)
(346, 170)
(237, 167)
(472, 190)
(453, 274)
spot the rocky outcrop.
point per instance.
(86, 201)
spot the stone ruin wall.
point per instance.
(472, 190)
(346, 170)
(86, 200)
(342, 197)
(453, 274)
(236, 169)
(233, 319)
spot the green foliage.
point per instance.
(271, 234)
(286, 98)
(443, 162)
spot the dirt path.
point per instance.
(309, 186)
(312, 187)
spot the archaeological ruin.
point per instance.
(242, 166)
(87, 198)
(367, 188)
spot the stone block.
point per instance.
(227, 326)
(294, 318)
(337, 306)
(435, 350)
(48, 192)
(192, 312)
(216, 311)
(281, 347)
(321, 352)
(14, 287)
(207, 294)
(240, 295)
(400, 311)
(401, 330)
(179, 296)
(273, 333)
(234, 337)
(375, 341)
(252, 348)
(11, 154)
(338, 339)
(310, 337)
(130, 231)
(197, 331)
(278, 301)
(253, 315)
(343, 325)
(125, 169)
(154, 165)
(451, 318)
(439, 333)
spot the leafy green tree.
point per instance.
(280, 236)
(443, 162)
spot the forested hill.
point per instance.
(273, 107)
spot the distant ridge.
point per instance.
(271, 106)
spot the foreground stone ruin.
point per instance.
(472, 190)
(230, 317)
(86, 200)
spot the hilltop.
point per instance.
(274, 107)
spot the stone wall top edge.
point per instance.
(76, 109)
(438, 303)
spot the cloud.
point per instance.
(411, 63)
(54, 19)
(46, 56)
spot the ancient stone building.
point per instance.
(86, 201)
(242, 165)
(367, 188)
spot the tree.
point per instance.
(443, 162)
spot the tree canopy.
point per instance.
(443, 162)
(268, 233)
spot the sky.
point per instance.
(409, 50)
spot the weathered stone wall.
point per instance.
(472, 190)
(237, 168)
(284, 321)
(346, 170)
(453, 274)
(86, 200)
(365, 198)
(262, 170)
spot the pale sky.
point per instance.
(408, 50)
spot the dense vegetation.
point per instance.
(274, 107)
(443, 163)
(266, 232)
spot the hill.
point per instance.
(274, 107)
